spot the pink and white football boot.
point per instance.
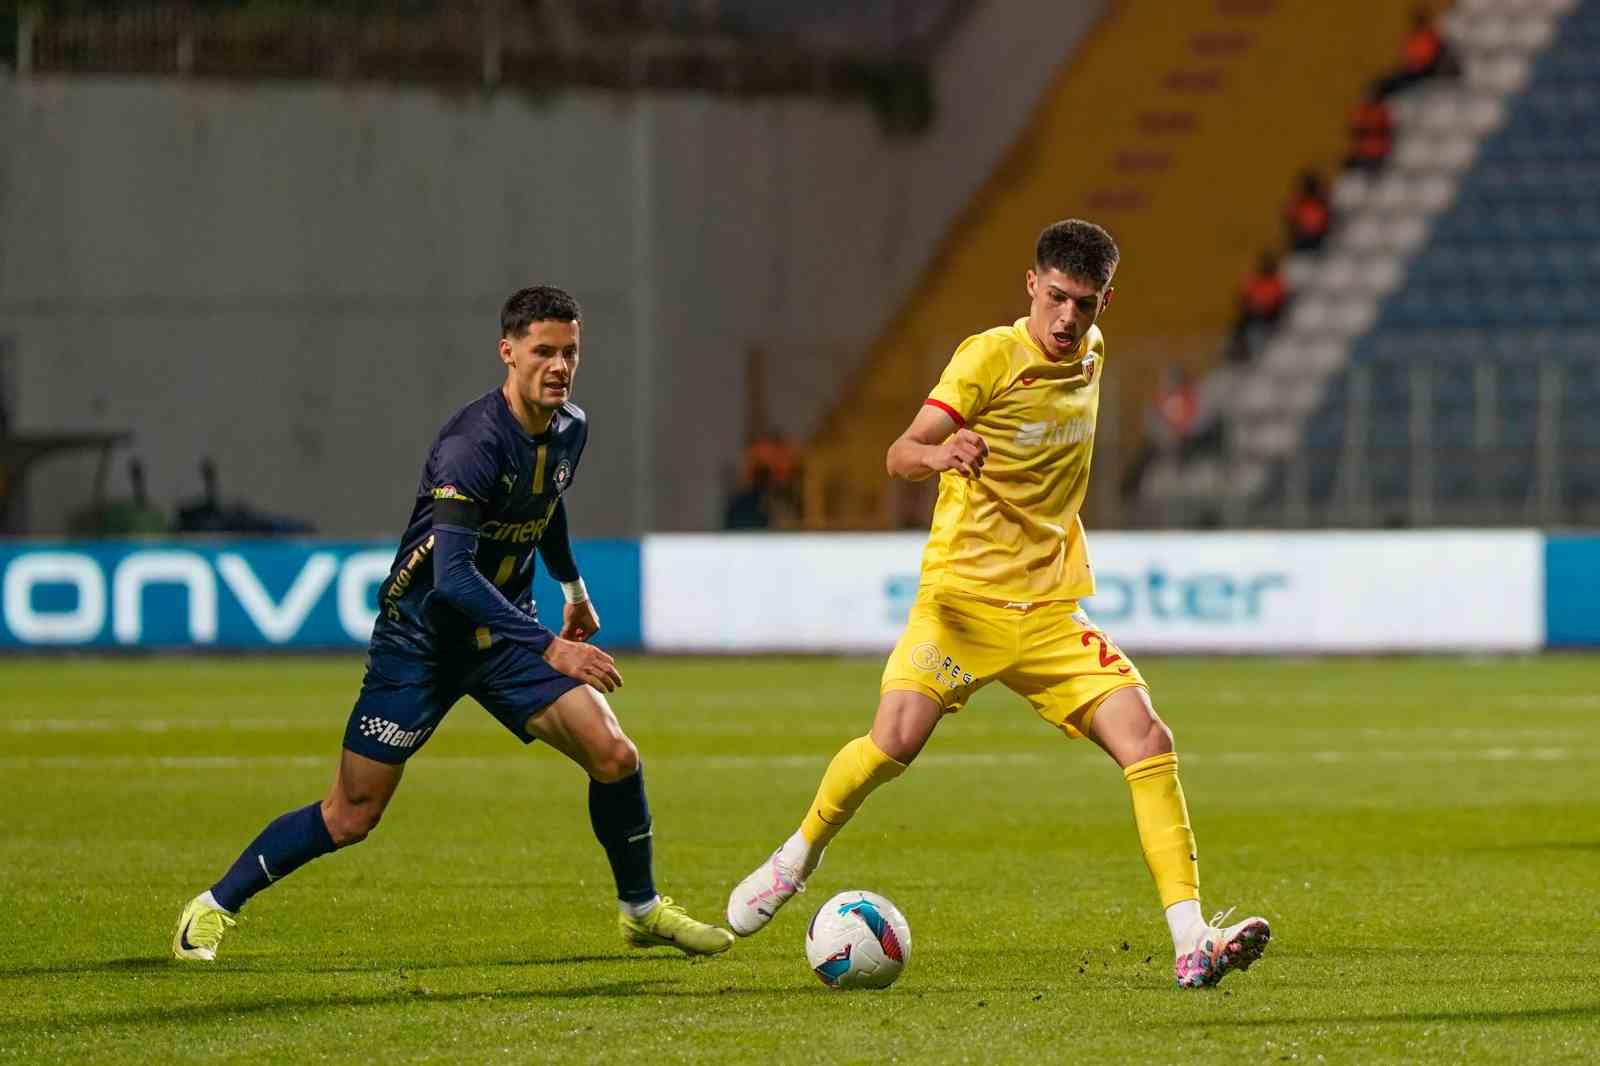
(756, 899)
(1218, 950)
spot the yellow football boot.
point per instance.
(200, 929)
(669, 925)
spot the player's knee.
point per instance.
(350, 823)
(615, 760)
(904, 722)
(1157, 739)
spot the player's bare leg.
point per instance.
(902, 726)
(355, 801)
(360, 793)
(1130, 731)
(582, 727)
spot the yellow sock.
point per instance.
(859, 768)
(1164, 833)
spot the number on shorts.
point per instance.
(1108, 655)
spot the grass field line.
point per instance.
(143, 725)
(263, 724)
(1325, 757)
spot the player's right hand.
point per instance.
(584, 662)
(964, 451)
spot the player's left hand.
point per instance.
(579, 621)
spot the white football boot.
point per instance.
(756, 899)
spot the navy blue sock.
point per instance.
(282, 848)
(621, 818)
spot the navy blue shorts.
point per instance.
(405, 696)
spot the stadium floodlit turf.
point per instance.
(1424, 836)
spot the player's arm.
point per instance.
(458, 581)
(933, 443)
(579, 621)
(938, 438)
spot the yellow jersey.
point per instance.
(1013, 533)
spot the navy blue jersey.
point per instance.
(484, 457)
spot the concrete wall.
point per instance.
(303, 281)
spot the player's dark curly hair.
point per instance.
(1078, 249)
(539, 303)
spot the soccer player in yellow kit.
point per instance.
(1009, 429)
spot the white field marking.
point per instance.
(459, 723)
(1563, 702)
(146, 725)
(1287, 758)
(1376, 755)
(156, 762)
(471, 724)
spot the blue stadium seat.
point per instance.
(1508, 278)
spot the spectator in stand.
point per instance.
(1169, 424)
(1423, 55)
(768, 487)
(769, 451)
(1261, 302)
(1371, 133)
(750, 506)
(1310, 214)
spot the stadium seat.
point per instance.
(1476, 254)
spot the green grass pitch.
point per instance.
(1424, 836)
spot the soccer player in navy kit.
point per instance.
(456, 617)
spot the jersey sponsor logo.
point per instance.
(389, 733)
(946, 671)
(450, 492)
(515, 532)
(1038, 434)
(951, 675)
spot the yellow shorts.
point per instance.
(1048, 653)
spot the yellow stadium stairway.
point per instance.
(1179, 125)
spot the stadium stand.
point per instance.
(1442, 360)
(1163, 117)
(825, 49)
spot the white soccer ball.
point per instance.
(858, 940)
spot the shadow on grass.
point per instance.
(391, 966)
(136, 964)
(268, 965)
(247, 1006)
(203, 1013)
(1534, 1014)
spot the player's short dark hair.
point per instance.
(1078, 249)
(538, 303)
